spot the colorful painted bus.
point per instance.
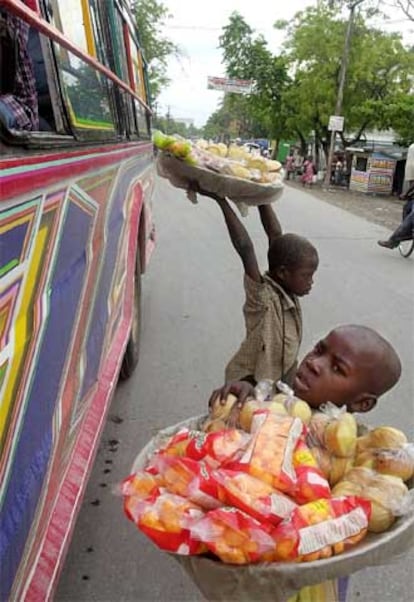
(76, 233)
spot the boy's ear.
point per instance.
(363, 403)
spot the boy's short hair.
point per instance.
(291, 251)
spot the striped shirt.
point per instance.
(20, 106)
(273, 333)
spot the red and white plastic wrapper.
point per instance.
(321, 529)
(188, 478)
(253, 496)
(167, 520)
(278, 581)
(139, 486)
(269, 455)
(233, 536)
(243, 192)
(214, 448)
(311, 483)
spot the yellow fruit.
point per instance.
(341, 436)
(272, 165)
(381, 518)
(180, 148)
(317, 427)
(276, 407)
(381, 437)
(256, 163)
(213, 425)
(300, 409)
(396, 462)
(237, 170)
(323, 459)
(221, 408)
(246, 414)
(339, 468)
(346, 488)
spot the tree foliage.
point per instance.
(379, 73)
(150, 16)
(247, 56)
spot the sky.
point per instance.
(195, 26)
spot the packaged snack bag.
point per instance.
(322, 528)
(311, 483)
(214, 448)
(141, 484)
(167, 519)
(188, 478)
(233, 536)
(253, 496)
(269, 455)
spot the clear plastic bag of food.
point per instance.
(388, 495)
(311, 484)
(167, 520)
(253, 496)
(188, 478)
(334, 429)
(321, 529)
(233, 536)
(214, 448)
(269, 455)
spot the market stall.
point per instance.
(372, 171)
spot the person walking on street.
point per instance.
(308, 172)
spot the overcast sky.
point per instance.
(196, 26)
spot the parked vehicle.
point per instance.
(76, 234)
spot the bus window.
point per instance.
(87, 92)
(117, 27)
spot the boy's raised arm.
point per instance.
(239, 237)
(270, 222)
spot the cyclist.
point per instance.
(405, 230)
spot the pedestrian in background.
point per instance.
(308, 172)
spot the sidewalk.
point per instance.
(383, 210)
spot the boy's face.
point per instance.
(299, 280)
(335, 370)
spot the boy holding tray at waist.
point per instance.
(353, 366)
(272, 312)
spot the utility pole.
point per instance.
(340, 94)
(168, 117)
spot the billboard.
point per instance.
(236, 86)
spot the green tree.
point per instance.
(247, 56)
(150, 16)
(380, 69)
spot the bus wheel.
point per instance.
(131, 356)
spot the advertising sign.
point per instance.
(236, 86)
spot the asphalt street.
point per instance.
(192, 323)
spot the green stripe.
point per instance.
(107, 125)
(9, 266)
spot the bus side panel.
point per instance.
(65, 301)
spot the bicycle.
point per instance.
(406, 247)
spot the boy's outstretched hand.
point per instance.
(240, 388)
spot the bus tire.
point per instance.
(131, 355)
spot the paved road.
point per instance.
(193, 321)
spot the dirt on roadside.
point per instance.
(379, 209)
